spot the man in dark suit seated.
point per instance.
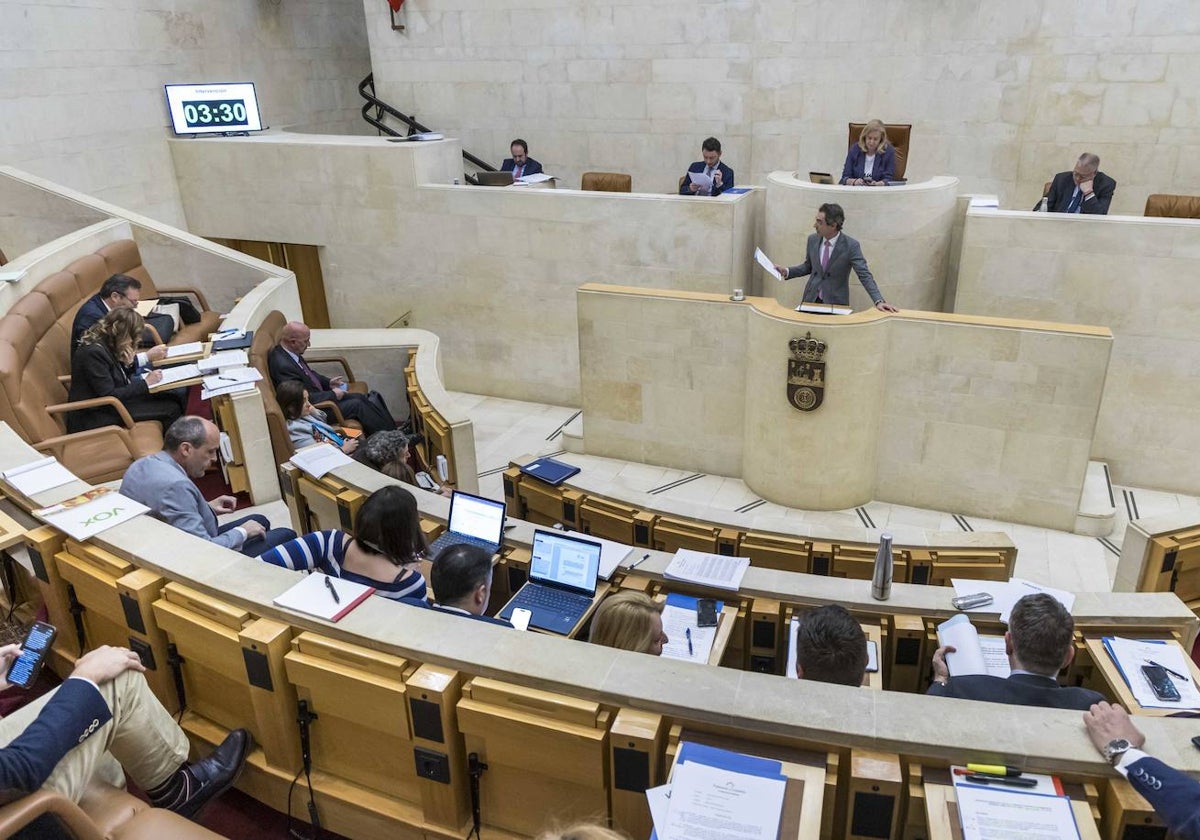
(1040, 643)
(1173, 795)
(119, 292)
(722, 175)
(1085, 189)
(286, 362)
(830, 647)
(104, 711)
(520, 164)
(462, 581)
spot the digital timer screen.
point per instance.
(213, 108)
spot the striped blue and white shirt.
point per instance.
(326, 550)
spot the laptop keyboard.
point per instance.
(547, 598)
(448, 539)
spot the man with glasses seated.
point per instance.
(121, 292)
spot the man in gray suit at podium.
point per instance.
(830, 256)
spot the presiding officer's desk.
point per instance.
(540, 712)
(905, 232)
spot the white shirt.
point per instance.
(868, 165)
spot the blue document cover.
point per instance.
(550, 471)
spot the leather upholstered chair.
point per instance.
(104, 813)
(898, 136)
(607, 182)
(1173, 206)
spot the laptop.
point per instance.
(494, 179)
(820, 177)
(562, 581)
(474, 520)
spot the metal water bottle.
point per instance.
(881, 581)
(1044, 205)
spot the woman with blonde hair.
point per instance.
(582, 831)
(629, 620)
(871, 162)
(104, 366)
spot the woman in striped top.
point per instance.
(386, 545)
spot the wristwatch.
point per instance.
(1116, 748)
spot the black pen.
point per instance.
(688, 632)
(332, 591)
(637, 563)
(1168, 670)
(1011, 781)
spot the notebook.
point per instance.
(474, 520)
(550, 471)
(562, 581)
(324, 596)
(494, 179)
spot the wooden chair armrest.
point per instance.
(95, 402)
(340, 360)
(331, 407)
(20, 813)
(65, 379)
(196, 293)
(55, 445)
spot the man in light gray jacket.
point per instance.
(163, 483)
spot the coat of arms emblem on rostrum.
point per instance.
(806, 372)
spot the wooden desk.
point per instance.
(1120, 690)
(941, 809)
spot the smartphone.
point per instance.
(872, 656)
(706, 612)
(426, 482)
(25, 668)
(1160, 681)
(520, 618)
(970, 602)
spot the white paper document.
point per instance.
(709, 803)
(1131, 654)
(38, 476)
(224, 359)
(611, 554)
(678, 622)
(233, 376)
(324, 596)
(145, 307)
(790, 669)
(824, 308)
(175, 374)
(704, 181)
(995, 813)
(535, 178)
(1007, 594)
(189, 349)
(92, 512)
(766, 263)
(715, 570)
(974, 654)
(320, 459)
(659, 800)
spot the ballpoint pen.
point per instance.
(1175, 674)
(332, 591)
(637, 563)
(1010, 781)
(688, 632)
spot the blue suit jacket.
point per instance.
(1017, 690)
(884, 168)
(833, 282)
(161, 485)
(423, 604)
(1063, 187)
(72, 715)
(532, 167)
(698, 166)
(93, 309)
(1174, 795)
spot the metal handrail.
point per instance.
(366, 89)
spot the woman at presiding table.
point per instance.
(871, 162)
(104, 365)
(386, 545)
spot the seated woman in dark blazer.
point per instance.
(871, 162)
(103, 366)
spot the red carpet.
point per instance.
(213, 483)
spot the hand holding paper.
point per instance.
(766, 263)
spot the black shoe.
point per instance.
(217, 772)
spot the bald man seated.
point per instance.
(286, 364)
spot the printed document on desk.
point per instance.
(1004, 813)
(611, 554)
(974, 654)
(1131, 654)
(91, 513)
(224, 359)
(678, 617)
(715, 570)
(171, 375)
(38, 476)
(320, 459)
(189, 349)
(1007, 594)
(703, 797)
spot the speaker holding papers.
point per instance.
(562, 581)
(474, 520)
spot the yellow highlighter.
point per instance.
(994, 769)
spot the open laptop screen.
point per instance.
(564, 560)
(475, 516)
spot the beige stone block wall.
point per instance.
(1002, 96)
(904, 231)
(1131, 275)
(985, 417)
(492, 272)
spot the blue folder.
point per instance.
(550, 471)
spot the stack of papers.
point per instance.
(315, 595)
(172, 375)
(1131, 654)
(997, 812)
(536, 178)
(1007, 594)
(320, 459)
(678, 619)
(716, 793)
(714, 570)
(824, 308)
(974, 654)
(38, 476)
(224, 359)
(611, 554)
(90, 513)
(192, 348)
(230, 382)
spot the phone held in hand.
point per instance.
(25, 668)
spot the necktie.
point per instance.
(312, 377)
(825, 256)
(517, 170)
(1073, 207)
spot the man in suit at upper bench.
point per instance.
(1040, 642)
(722, 175)
(1085, 189)
(520, 164)
(830, 256)
(121, 292)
